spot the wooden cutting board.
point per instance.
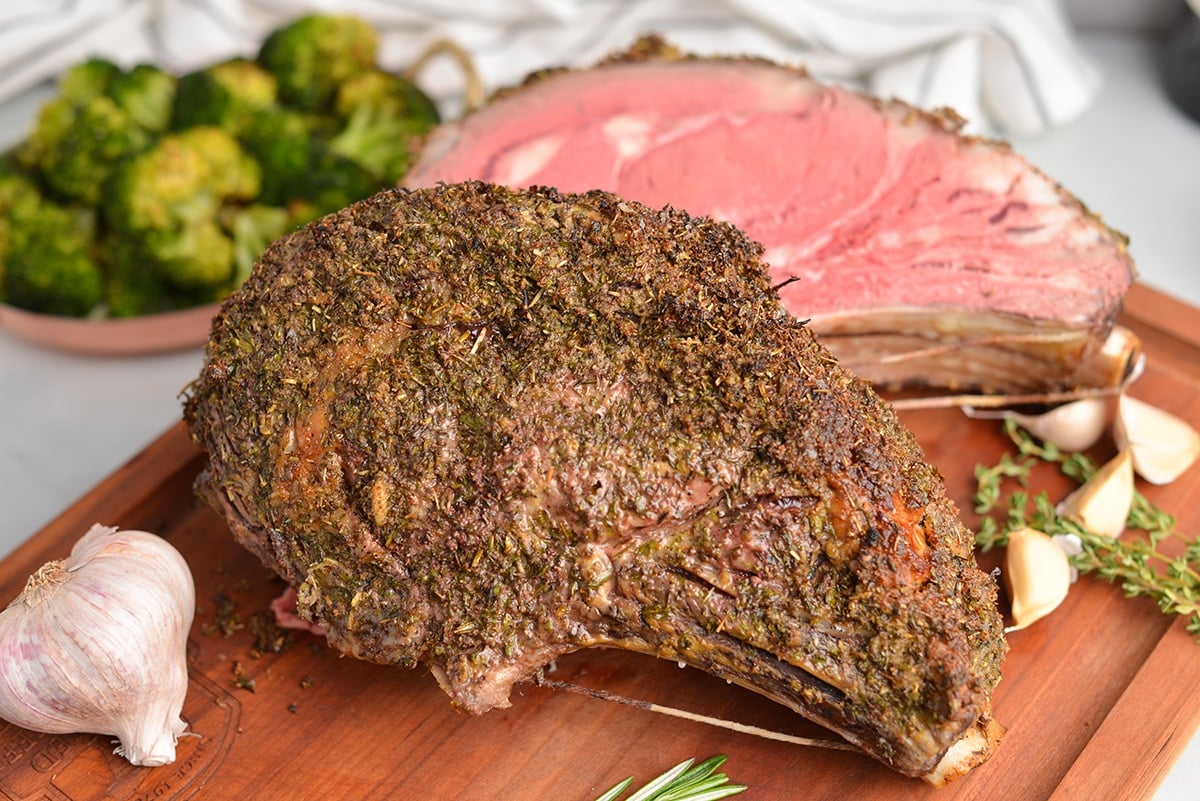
(1099, 698)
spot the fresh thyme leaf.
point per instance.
(990, 480)
(1134, 561)
(682, 783)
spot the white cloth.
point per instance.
(1007, 66)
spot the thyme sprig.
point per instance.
(1134, 561)
(682, 783)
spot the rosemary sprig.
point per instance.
(682, 783)
(1134, 561)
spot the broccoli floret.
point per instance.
(389, 93)
(134, 286)
(312, 55)
(19, 196)
(385, 118)
(99, 116)
(73, 148)
(146, 93)
(199, 256)
(49, 264)
(233, 173)
(300, 172)
(83, 82)
(53, 122)
(332, 183)
(284, 144)
(166, 206)
(253, 228)
(183, 178)
(139, 282)
(226, 94)
(159, 188)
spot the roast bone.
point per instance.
(921, 257)
(479, 428)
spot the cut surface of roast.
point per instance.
(478, 428)
(920, 256)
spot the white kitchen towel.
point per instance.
(1007, 66)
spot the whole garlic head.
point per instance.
(97, 643)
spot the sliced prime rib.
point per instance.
(919, 255)
(478, 428)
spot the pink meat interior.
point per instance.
(870, 205)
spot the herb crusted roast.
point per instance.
(922, 256)
(478, 428)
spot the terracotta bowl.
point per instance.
(151, 333)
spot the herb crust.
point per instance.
(478, 428)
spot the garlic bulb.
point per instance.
(1163, 446)
(1037, 573)
(1101, 505)
(97, 643)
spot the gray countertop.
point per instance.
(69, 420)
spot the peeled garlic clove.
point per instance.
(1163, 445)
(1101, 505)
(97, 643)
(1037, 574)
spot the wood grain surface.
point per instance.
(1099, 698)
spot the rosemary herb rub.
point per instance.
(478, 428)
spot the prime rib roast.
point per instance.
(919, 255)
(478, 428)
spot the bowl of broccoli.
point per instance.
(139, 199)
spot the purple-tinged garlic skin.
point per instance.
(97, 643)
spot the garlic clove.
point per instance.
(1163, 445)
(1102, 503)
(97, 643)
(1037, 574)
(1073, 427)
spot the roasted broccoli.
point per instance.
(253, 228)
(332, 183)
(226, 94)
(87, 80)
(17, 192)
(98, 116)
(169, 188)
(165, 207)
(48, 256)
(283, 143)
(73, 148)
(146, 93)
(389, 93)
(313, 55)
(47, 249)
(199, 256)
(232, 173)
(134, 286)
(385, 115)
(18, 195)
(183, 177)
(300, 170)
